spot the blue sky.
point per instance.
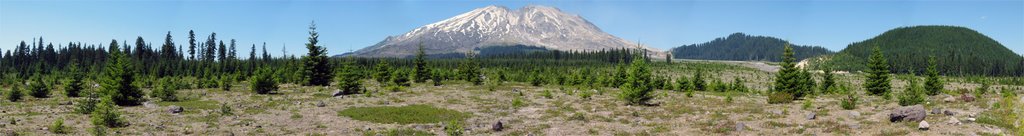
(349, 25)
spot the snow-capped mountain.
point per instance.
(539, 26)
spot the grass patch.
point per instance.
(403, 115)
(398, 132)
(193, 106)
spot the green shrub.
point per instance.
(88, 104)
(637, 90)
(38, 88)
(14, 94)
(585, 94)
(808, 103)
(454, 128)
(913, 95)
(225, 109)
(518, 102)
(779, 98)
(400, 78)
(546, 94)
(849, 102)
(261, 83)
(728, 98)
(58, 127)
(436, 77)
(106, 114)
(75, 85)
(349, 81)
(166, 90)
(224, 83)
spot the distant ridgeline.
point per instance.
(534, 52)
(739, 46)
(957, 50)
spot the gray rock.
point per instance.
(740, 126)
(321, 104)
(923, 125)
(337, 93)
(908, 113)
(967, 98)
(853, 125)
(175, 109)
(949, 99)
(776, 112)
(936, 111)
(953, 121)
(854, 114)
(949, 113)
(497, 126)
(812, 116)
(65, 103)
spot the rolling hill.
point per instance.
(739, 46)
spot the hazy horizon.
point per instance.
(350, 25)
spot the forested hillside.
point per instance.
(739, 46)
(958, 51)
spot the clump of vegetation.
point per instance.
(849, 101)
(932, 84)
(790, 80)
(261, 83)
(382, 72)
(913, 95)
(58, 127)
(316, 69)
(578, 116)
(420, 72)
(38, 88)
(106, 114)
(400, 78)
(698, 83)
(453, 128)
(74, 86)
(878, 82)
(225, 109)
(348, 78)
(518, 102)
(403, 115)
(546, 94)
(436, 77)
(779, 97)
(808, 103)
(119, 77)
(637, 89)
(166, 90)
(470, 70)
(14, 94)
(88, 105)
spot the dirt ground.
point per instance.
(293, 112)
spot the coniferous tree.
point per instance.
(38, 88)
(118, 78)
(191, 45)
(420, 72)
(698, 83)
(878, 82)
(637, 88)
(74, 86)
(316, 68)
(14, 94)
(106, 114)
(913, 94)
(262, 82)
(400, 78)
(933, 84)
(471, 70)
(166, 90)
(828, 81)
(348, 78)
(382, 72)
(266, 56)
(787, 80)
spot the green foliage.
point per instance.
(225, 83)
(913, 95)
(14, 94)
(637, 90)
(932, 83)
(546, 94)
(403, 115)
(878, 82)
(261, 83)
(106, 114)
(962, 51)
(849, 101)
(983, 89)
(400, 78)
(808, 103)
(828, 82)
(739, 46)
(536, 79)
(382, 72)
(453, 128)
(225, 109)
(58, 127)
(793, 82)
(118, 79)
(74, 86)
(316, 69)
(698, 81)
(88, 104)
(436, 77)
(779, 97)
(348, 78)
(518, 102)
(166, 89)
(738, 85)
(420, 72)
(470, 71)
(38, 88)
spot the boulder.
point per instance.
(949, 99)
(936, 111)
(740, 126)
(854, 114)
(971, 120)
(321, 104)
(812, 116)
(175, 109)
(923, 125)
(967, 98)
(953, 121)
(497, 126)
(908, 113)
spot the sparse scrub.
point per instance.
(58, 127)
(166, 90)
(106, 114)
(14, 94)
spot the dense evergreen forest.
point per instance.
(739, 46)
(958, 51)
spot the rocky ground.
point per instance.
(297, 110)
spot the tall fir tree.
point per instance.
(191, 45)
(420, 72)
(316, 68)
(118, 78)
(878, 82)
(637, 89)
(382, 72)
(828, 81)
(470, 70)
(932, 83)
(74, 86)
(348, 77)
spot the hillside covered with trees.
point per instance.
(739, 46)
(958, 51)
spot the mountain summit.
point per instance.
(538, 26)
